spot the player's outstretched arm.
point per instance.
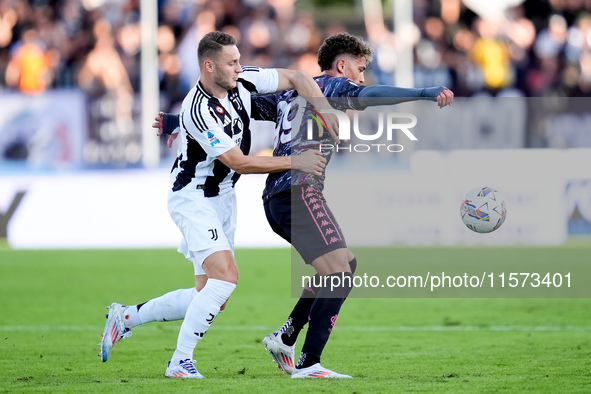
(390, 95)
(308, 88)
(311, 162)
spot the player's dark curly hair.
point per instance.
(212, 43)
(342, 43)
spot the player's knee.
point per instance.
(332, 262)
(221, 266)
(228, 275)
(200, 281)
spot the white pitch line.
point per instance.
(463, 328)
(460, 328)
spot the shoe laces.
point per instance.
(285, 326)
(188, 366)
(126, 333)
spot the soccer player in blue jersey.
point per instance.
(215, 136)
(290, 197)
(296, 208)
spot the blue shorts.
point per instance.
(302, 217)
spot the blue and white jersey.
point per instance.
(210, 127)
(288, 109)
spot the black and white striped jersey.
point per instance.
(211, 127)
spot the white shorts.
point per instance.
(208, 224)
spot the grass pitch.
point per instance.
(53, 314)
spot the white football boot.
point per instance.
(183, 369)
(282, 354)
(317, 371)
(114, 330)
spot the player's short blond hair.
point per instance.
(211, 44)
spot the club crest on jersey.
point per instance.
(213, 140)
(235, 99)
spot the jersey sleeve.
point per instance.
(264, 107)
(344, 92)
(206, 129)
(263, 80)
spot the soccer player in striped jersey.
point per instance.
(215, 135)
(293, 199)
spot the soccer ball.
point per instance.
(483, 210)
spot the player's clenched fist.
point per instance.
(446, 97)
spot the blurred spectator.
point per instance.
(257, 30)
(112, 137)
(8, 18)
(491, 54)
(169, 68)
(103, 70)
(536, 47)
(386, 43)
(28, 68)
(551, 40)
(205, 22)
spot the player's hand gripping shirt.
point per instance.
(290, 111)
(210, 127)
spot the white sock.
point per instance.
(168, 307)
(201, 313)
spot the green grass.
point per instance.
(53, 313)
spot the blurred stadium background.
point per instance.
(80, 82)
